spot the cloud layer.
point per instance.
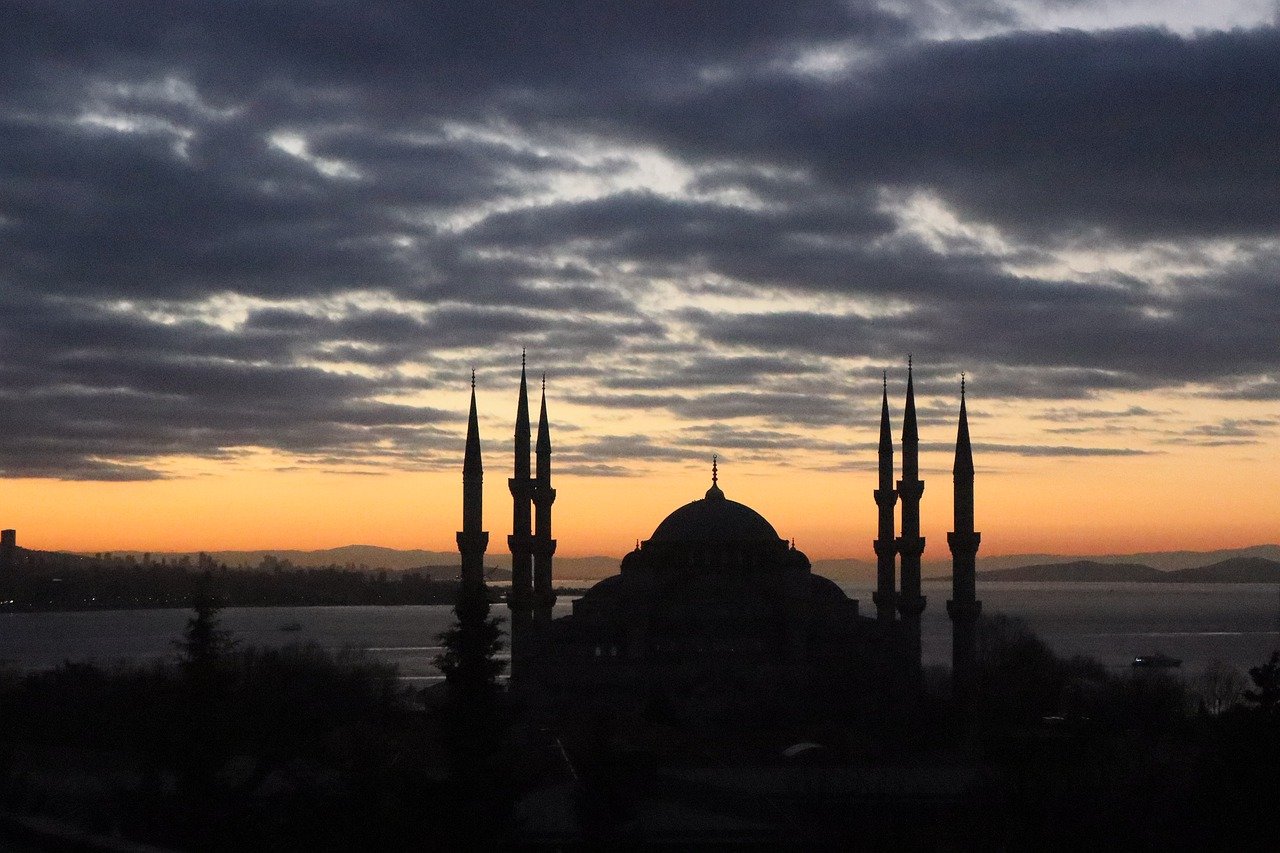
(293, 226)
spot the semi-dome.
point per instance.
(714, 518)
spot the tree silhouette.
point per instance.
(204, 644)
(206, 739)
(1266, 679)
(1219, 687)
(475, 720)
(469, 661)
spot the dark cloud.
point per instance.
(228, 225)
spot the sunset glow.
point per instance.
(244, 278)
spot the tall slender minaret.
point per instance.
(520, 598)
(964, 607)
(544, 595)
(472, 541)
(911, 543)
(886, 497)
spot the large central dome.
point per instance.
(715, 518)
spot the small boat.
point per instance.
(1156, 661)
(291, 626)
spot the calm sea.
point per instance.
(1199, 623)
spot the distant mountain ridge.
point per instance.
(1078, 571)
(392, 559)
(1232, 570)
(1253, 564)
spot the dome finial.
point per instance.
(962, 386)
(714, 491)
(473, 379)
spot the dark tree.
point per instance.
(204, 644)
(205, 743)
(475, 719)
(1266, 679)
(469, 661)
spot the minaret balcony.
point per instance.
(885, 547)
(886, 497)
(910, 546)
(910, 490)
(522, 544)
(473, 540)
(964, 543)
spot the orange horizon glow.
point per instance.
(1084, 506)
(1171, 495)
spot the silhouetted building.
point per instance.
(910, 542)
(8, 545)
(472, 540)
(886, 546)
(544, 547)
(964, 607)
(532, 595)
(521, 542)
(716, 604)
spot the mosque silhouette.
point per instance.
(715, 614)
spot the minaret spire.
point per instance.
(964, 607)
(472, 540)
(520, 542)
(471, 463)
(910, 543)
(544, 595)
(885, 596)
(964, 450)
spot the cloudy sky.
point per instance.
(249, 254)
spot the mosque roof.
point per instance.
(714, 518)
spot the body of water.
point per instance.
(1199, 623)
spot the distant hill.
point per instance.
(1165, 561)
(847, 569)
(394, 559)
(449, 572)
(1255, 564)
(1234, 570)
(1081, 571)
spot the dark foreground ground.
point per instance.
(229, 748)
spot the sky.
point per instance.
(250, 253)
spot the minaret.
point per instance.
(886, 497)
(911, 543)
(544, 595)
(964, 607)
(520, 599)
(472, 541)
